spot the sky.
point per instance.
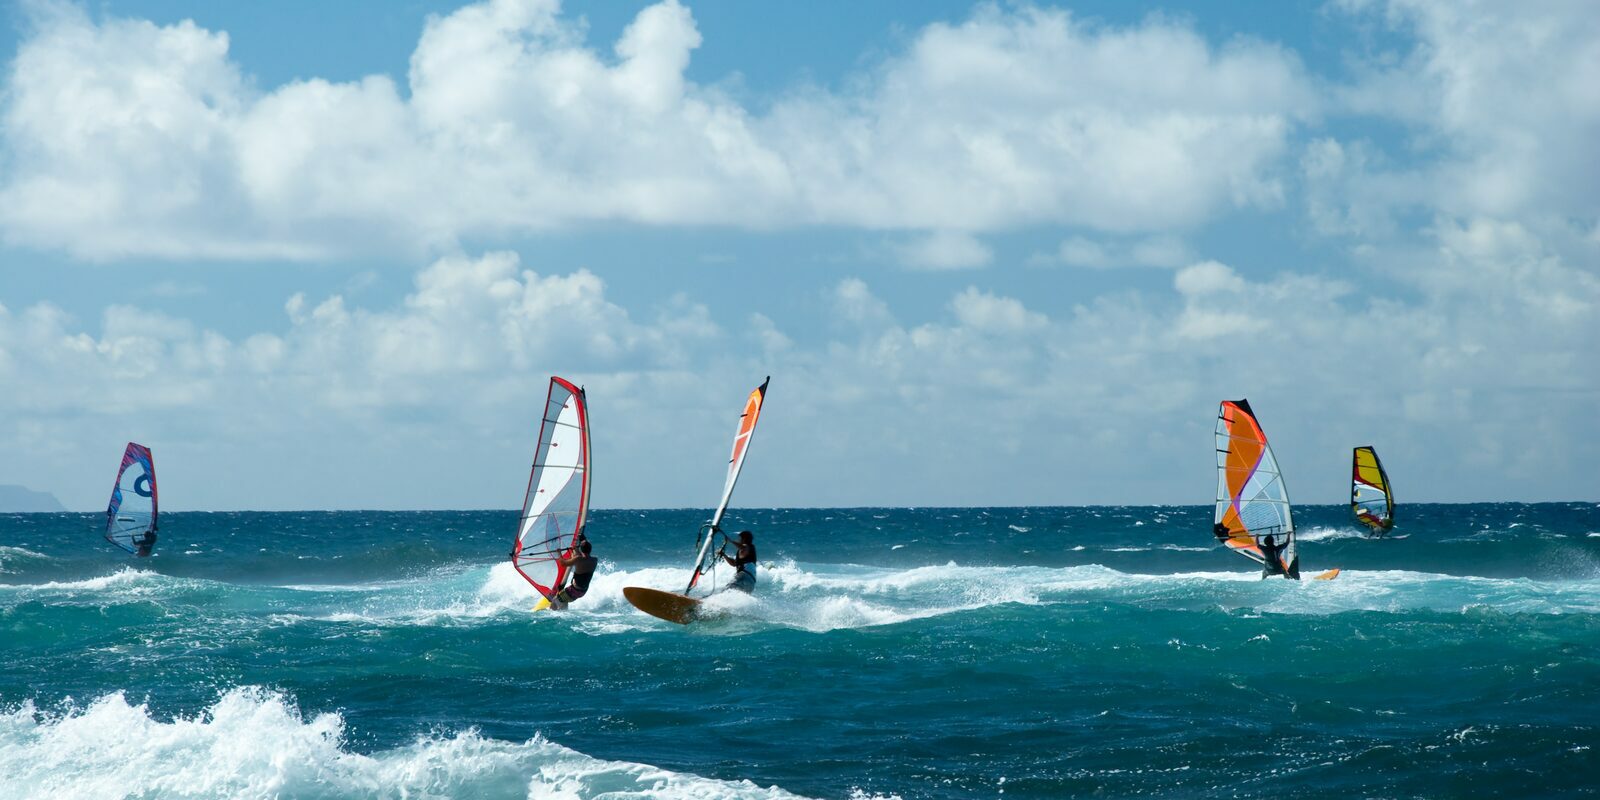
(328, 255)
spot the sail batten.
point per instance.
(1371, 496)
(557, 504)
(1252, 499)
(131, 515)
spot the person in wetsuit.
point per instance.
(145, 543)
(744, 563)
(582, 564)
(1273, 560)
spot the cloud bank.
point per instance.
(126, 138)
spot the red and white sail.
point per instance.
(557, 504)
(131, 514)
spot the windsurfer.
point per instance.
(744, 563)
(1272, 558)
(145, 543)
(1220, 531)
(582, 565)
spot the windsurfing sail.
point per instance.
(1251, 499)
(557, 504)
(1371, 498)
(741, 447)
(131, 515)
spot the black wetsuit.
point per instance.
(1273, 556)
(744, 580)
(145, 543)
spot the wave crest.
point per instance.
(113, 749)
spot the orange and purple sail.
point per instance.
(1371, 498)
(557, 503)
(1251, 499)
(131, 514)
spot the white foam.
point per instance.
(12, 556)
(121, 579)
(1327, 534)
(256, 743)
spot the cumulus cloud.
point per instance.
(1150, 251)
(126, 138)
(943, 250)
(428, 400)
(1501, 113)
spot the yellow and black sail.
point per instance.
(1371, 499)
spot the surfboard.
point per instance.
(1328, 576)
(664, 605)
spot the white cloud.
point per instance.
(944, 250)
(1207, 277)
(1501, 112)
(982, 311)
(128, 138)
(426, 402)
(1150, 251)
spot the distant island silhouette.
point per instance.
(14, 499)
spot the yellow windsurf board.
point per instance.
(664, 605)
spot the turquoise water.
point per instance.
(918, 653)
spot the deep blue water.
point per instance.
(919, 653)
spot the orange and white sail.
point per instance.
(741, 447)
(1252, 501)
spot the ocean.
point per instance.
(912, 653)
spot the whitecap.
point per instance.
(113, 749)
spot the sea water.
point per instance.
(914, 653)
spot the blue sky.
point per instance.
(327, 256)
